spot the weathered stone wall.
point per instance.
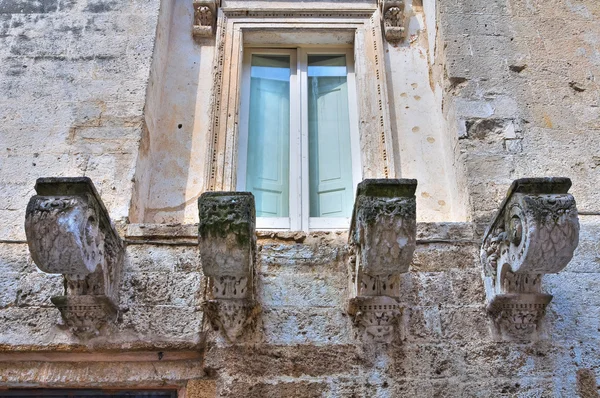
(522, 80)
(73, 87)
(514, 91)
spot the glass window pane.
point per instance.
(267, 172)
(330, 161)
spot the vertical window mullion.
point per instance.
(243, 136)
(295, 145)
(303, 66)
(354, 134)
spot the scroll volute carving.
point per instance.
(205, 17)
(535, 232)
(227, 244)
(383, 234)
(69, 232)
(392, 15)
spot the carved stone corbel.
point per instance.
(205, 17)
(392, 19)
(535, 232)
(227, 243)
(69, 232)
(383, 234)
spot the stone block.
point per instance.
(28, 7)
(432, 257)
(36, 289)
(9, 287)
(465, 323)
(291, 360)
(424, 324)
(201, 388)
(163, 323)
(146, 289)
(323, 256)
(283, 389)
(296, 326)
(303, 290)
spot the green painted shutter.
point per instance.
(267, 173)
(330, 161)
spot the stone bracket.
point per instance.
(227, 244)
(383, 235)
(69, 232)
(535, 232)
(205, 18)
(392, 19)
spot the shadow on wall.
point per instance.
(169, 174)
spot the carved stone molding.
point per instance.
(392, 15)
(377, 317)
(535, 232)
(205, 17)
(69, 232)
(227, 243)
(383, 234)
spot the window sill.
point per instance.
(187, 234)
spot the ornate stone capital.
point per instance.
(227, 243)
(392, 15)
(383, 234)
(205, 17)
(535, 232)
(69, 232)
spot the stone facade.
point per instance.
(475, 95)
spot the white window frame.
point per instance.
(299, 184)
(240, 29)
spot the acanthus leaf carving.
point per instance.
(535, 232)
(69, 232)
(383, 235)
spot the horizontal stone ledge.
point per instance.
(120, 356)
(188, 233)
(105, 347)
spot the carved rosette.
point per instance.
(205, 17)
(227, 243)
(535, 232)
(383, 234)
(69, 232)
(392, 15)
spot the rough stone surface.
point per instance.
(481, 92)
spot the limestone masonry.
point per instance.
(130, 260)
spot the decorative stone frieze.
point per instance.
(383, 234)
(205, 17)
(535, 232)
(227, 243)
(69, 232)
(392, 14)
